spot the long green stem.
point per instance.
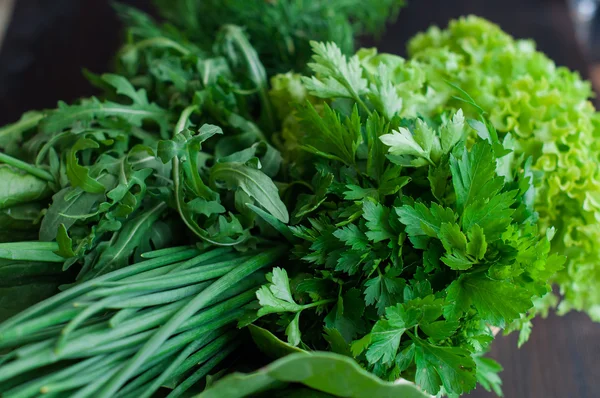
(85, 287)
(199, 302)
(19, 164)
(318, 303)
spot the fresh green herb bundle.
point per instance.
(281, 30)
(413, 243)
(412, 210)
(163, 321)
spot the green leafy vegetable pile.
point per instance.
(417, 242)
(242, 166)
(133, 330)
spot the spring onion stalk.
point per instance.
(166, 319)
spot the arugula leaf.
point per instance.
(66, 116)
(79, 175)
(128, 239)
(20, 188)
(254, 183)
(322, 371)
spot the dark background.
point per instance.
(49, 41)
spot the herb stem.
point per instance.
(317, 303)
(158, 42)
(19, 164)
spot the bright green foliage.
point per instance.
(538, 110)
(119, 168)
(408, 199)
(404, 211)
(547, 111)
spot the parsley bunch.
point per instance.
(412, 242)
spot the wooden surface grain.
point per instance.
(562, 358)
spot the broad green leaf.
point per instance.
(452, 367)
(17, 187)
(474, 175)
(30, 251)
(270, 345)
(255, 183)
(292, 331)
(331, 373)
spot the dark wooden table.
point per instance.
(562, 358)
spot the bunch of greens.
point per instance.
(131, 331)
(281, 30)
(413, 244)
(91, 186)
(546, 110)
(412, 207)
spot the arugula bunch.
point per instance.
(413, 242)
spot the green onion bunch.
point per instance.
(165, 321)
